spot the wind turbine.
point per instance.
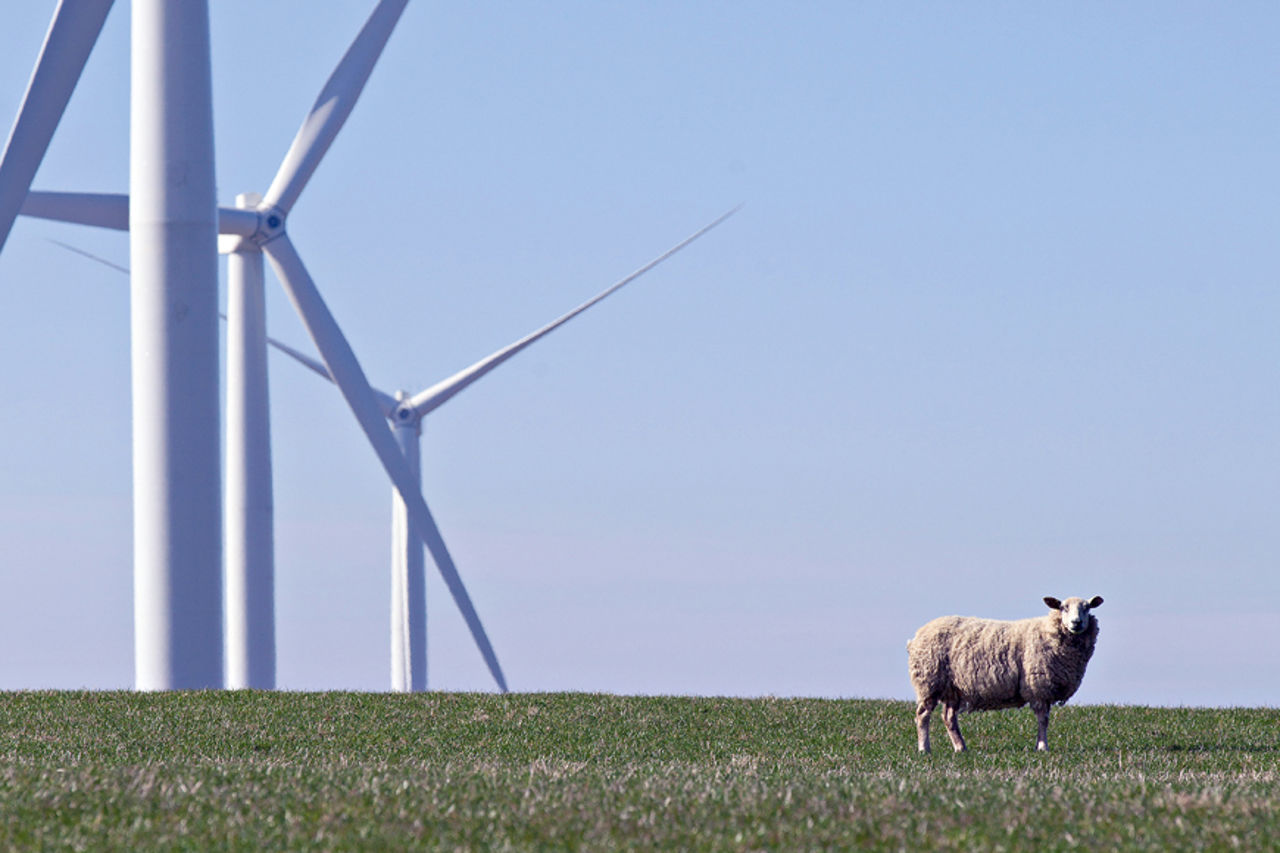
(173, 221)
(406, 413)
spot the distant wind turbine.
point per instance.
(406, 414)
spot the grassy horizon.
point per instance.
(241, 770)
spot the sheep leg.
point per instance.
(923, 711)
(1042, 719)
(951, 717)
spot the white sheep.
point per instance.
(972, 664)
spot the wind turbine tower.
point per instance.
(249, 537)
(173, 231)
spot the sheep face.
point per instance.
(1074, 612)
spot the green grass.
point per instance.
(345, 771)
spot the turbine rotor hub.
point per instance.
(271, 220)
(404, 416)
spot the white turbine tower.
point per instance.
(249, 527)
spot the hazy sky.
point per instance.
(998, 321)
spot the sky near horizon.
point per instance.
(998, 321)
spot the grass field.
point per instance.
(330, 771)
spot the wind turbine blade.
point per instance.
(350, 379)
(111, 210)
(431, 537)
(72, 34)
(102, 210)
(438, 394)
(388, 402)
(302, 358)
(331, 109)
(91, 256)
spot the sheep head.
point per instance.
(1074, 612)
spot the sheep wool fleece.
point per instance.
(987, 664)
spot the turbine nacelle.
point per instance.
(270, 224)
(250, 225)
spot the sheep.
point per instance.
(972, 664)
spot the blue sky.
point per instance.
(998, 321)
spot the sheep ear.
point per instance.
(1095, 601)
(1053, 603)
